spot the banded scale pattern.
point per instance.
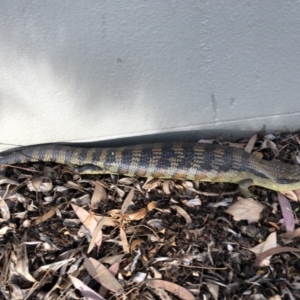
(191, 161)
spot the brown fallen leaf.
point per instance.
(269, 243)
(137, 215)
(46, 185)
(251, 143)
(89, 221)
(297, 193)
(101, 274)
(245, 209)
(47, 215)
(97, 232)
(288, 214)
(86, 292)
(99, 195)
(166, 187)
(291, 195)
(22, 265)
(214, 289)
(173, 288)
(151, 183)
(258, 154)
(183, 213)
(135, 243)
(113, 269)
(274, 251)
(288, 237)
(124, 240)
(151, 205)
(4, 209)
(128, 201)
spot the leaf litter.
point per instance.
(66, 236)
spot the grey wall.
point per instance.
(95, 70)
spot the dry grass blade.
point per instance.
(173, 288)
(100, 273)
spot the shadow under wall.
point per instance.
(181, 136)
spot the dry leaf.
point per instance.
(8, 181)
(251, 143)
(297, 193)
(22, 266)
(161, 293)
(47, 215)
(135, 243)
(173, 288)
(40, 184)
(183, 213)
(112, 259)
(288, 214)
(214, 289)
(274, 225)
(99, 195)
(86, 292)
(258, 155)
(128, 201)
(88, 220)
(270, 243)
(291, 195)
(166, 187)
(274, 251)
(288, 238)
(124, 240)
(113, 269)
(268, 144)
(245, 209)
(192, 202)
(4, 209)
(100, 273)
(151, 183)
(151, 205)
(97, 232)
(137, 215)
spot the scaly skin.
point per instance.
(190, 161)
